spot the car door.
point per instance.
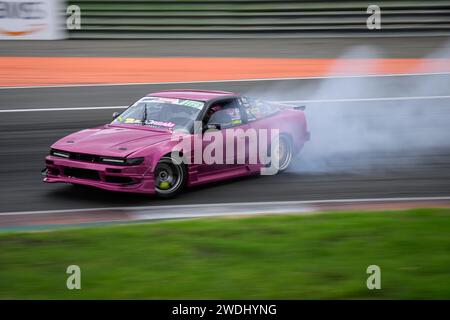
(227, 114)
(259, 120)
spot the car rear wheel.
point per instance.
(285, 153)
(170, 177)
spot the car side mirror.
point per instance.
(213, 126)
(115, 115)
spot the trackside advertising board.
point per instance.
(31, 20)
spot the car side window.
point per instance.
(227, 114)
(257, 109)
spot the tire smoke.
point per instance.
(372, 135)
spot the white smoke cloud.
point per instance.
(377, 135)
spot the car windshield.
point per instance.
(162, 113)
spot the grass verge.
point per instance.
(321, 256)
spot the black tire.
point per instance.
(170, 177)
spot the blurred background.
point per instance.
(375, 80)
(255, 19)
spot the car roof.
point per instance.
(189, 94)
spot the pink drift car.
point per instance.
(172, 139)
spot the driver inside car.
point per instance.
(219, 114)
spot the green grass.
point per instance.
(279, 257)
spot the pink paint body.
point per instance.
(132, 141)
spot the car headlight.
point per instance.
(113, 160)
(134, 161)
(122, 161)
(58, 153)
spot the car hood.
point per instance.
(111, 141)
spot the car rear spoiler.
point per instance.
(289, 105)
(302, 107)
(294, 106)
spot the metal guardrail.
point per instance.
(255, 18)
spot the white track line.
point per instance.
(290, 101)
(230, 206)
(225, 81)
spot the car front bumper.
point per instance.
(136, 179)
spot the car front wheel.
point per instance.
(170, 177)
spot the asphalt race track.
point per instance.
(26, 137)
